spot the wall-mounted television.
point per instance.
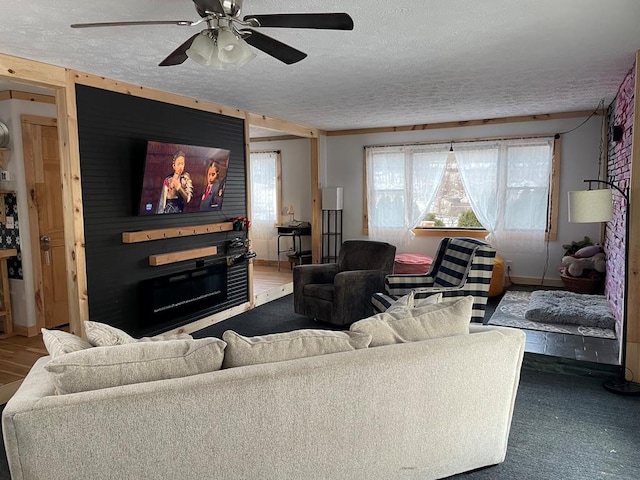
(183, 178)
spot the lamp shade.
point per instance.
(590, 206)
(232, 49)
(201, 49)
(332, 198)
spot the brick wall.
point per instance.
(618, 172)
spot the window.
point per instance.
(505, 186)
(265, 193)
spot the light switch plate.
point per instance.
(10, 222)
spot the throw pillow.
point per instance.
(438, 320)
(59, 342)
(103, 335)
(104, 367)
(410, 301)
(278, 347)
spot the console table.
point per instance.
(296, 234)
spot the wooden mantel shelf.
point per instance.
(159, 234)
(173, 257)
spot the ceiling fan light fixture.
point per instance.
(244, 53)
(202, 49)
(228, 46)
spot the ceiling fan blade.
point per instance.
(184, 23)
(273, 47)
(333, 21)
(179, 55)
(203, 6)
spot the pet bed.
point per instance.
(558, 306)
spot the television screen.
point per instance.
(183, 178)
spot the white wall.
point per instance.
(580, 152)
(23, 305)
(296, 189)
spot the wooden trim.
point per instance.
(632, 360)
(465, 123)
(365, 195)
(33, 331)
(316, 202)
(73, 216)
(32, 177)
(248, 193)
(554, 194)
(37, 120)
(21, 70)
(161, 233)
(279, 205)
(259, 262)
(548, 282)
(211, 319)
(173, 257)
(282, 126)
(152, 94)
(27, 96)
(448, 232)
(275, 138)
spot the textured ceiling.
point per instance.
(415, 62)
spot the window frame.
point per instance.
(552, 201)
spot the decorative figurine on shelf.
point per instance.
(240, 224)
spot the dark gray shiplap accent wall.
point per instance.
(114, 129)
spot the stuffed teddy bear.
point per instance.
(576, 266)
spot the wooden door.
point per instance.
(40, 137)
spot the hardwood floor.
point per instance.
(268, 277)
(269, 283)
(17, 356)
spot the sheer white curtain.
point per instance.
(264, 195)
(401, 184)
(508, 186)
(478, 169)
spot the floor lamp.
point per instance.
(589, 206)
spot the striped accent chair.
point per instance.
(462, 266)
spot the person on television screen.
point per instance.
(212, 194)
(177, 187)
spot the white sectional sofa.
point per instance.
(419, 410)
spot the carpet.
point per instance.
(511, 310)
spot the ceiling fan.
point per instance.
(224, 42)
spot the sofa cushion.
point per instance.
(277, 347)
(104, 367)
(412, 325)
(59, 342)
(103, 335)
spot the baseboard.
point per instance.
(26, 331)
(533, 281)
(273, 294)
(265, 263)
(272, 263)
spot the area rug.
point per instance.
(510, 313)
